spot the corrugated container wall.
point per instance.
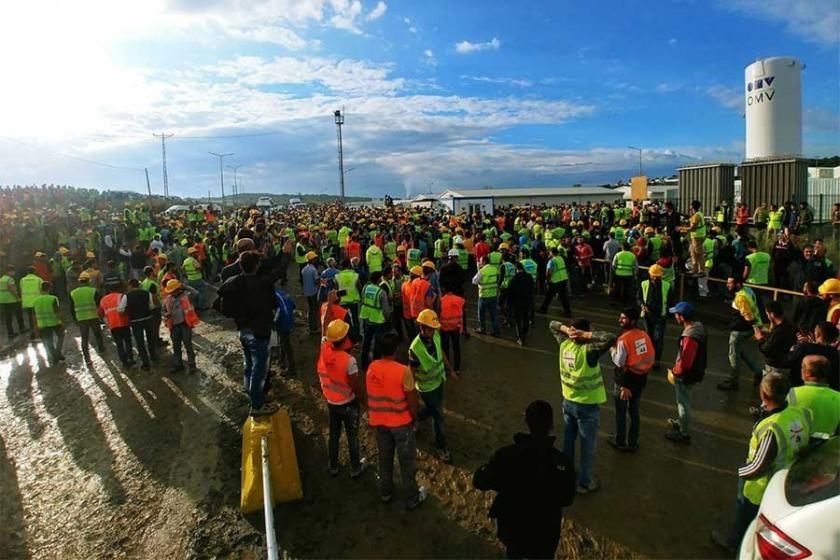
(710, 184)
(774, 182)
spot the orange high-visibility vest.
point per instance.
(387, 402)
(108, 309)
(452, 313)
(338, 312)
(332, 373)
(190, 316)
(640, 353)
(405, 292)
(419, 288)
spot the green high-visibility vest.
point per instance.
(463, 258)
(700, 232)
(581, 382)
(45, 315)
(666, 287)
(84, 303)
(6, 295)
(655, 247)
(750, 296)
(192, 268)
(530, 267)
(488, 285)
(343, 234)
(373, 257)
(625, 263)
(414, 255)
(391, 249)
(620, 234)
(372, 305)
(669, 275)
(709, 249)
(719, 217)
(510, 270)
(431, 372)
(347, 280)
(559, 272)
(774, 220)
(147, 283)
(792, 429)
(438, 253)
(759, 268)
(300, 254)
(30, 288)
(824, 404)
(495, 260)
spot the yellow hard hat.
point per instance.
(171, 286)
(503, 246)
(622, 223)
(656, 271)
(416, 270)
(596, 223)
(311, 255)
(429, 318)
(40, 254)
(830, 286)
(649, 231)
(192, 250)
(90, 255)
(64, 250)
(429, 264)
(84, 277)
(337, 330)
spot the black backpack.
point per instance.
(230, 300)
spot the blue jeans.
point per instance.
(371, 339)
(581, 419)
(683, 393)
(201, 287)
(256, 355)
(745, 512)
(489, 305)
(433, 401)
(401, 441)
(622, 408)
(738, 351)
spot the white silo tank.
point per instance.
(773, 98)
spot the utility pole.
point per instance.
(339, 120)
(235, 181)
(222, 174)
(640, 158)
(163, 136)
(149, 188)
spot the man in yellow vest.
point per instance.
(558, 282)
(487, 280)
(431, 368)
(697, 235)
(84, 301)
(775, 442)
(347, 284)
(746, 317)
(195, 278)
(624, 267)
(30, 288)
(48, 323)
(392, 408)
(655, 297)
(375, 310)
(815, 396)
(583, 392)
(10, 301)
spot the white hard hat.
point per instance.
(458, 240)
(453, 252)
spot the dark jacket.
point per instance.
(534, 482)
(256, 298)
(452, 278)
(809, 311)
(521, 291)
(777, 343)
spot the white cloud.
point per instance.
(502, 81)
(667, 87)
(818, 119)
(672, 41)
(466, 47)
(377, 12)
(731, 98)
(815, 21)
(429, 57)
(282, 36)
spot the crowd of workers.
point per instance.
(376, 278)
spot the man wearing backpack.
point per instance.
(284, 322)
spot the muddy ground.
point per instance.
(109, 463)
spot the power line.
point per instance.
(68, 156)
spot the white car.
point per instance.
(799, 516)
(263, 202)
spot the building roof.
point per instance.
(528, 192)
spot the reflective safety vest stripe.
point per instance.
(45, 315)
(347, 280)
(373, 257)
(530, 267)
(666, 287)
(300, 253)
(113, 318)
(192, 268)
(452, 313)
(824, 404)
(332, 373)
(559, 272)
(640, 354)
(488, 285)
(581, 382)
(84, 303)
(30, 288)
(625, 263)
(510, 270)
(6, 295)
(387, 402)
(419, 289)
(792, 429)
(431, 372)
(372, 305)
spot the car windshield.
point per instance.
(815, 476)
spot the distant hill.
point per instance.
(246, 199)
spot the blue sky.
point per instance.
(459, 94)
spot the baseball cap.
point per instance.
(683, 308)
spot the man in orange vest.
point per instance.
(451, 325)
(339, 377)
(118, 323)
(406, 292)
(392, 408)
(180, 317)
(331, 310)
(422, 293)
(633, 355)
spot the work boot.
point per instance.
(615, 444)
(678, 437)
(728, 385)
(591, 487)
(267, 409)
(673, 423)
(421, 497)
(363, 466)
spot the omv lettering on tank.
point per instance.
(760, 90)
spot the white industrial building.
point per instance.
(486, 200)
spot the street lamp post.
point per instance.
(222, 174)
(339, 120)
(235, 181)
(640, 158)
